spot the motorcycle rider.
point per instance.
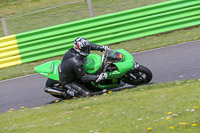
(71, 68)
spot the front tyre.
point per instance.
(141, 75)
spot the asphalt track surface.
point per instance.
(177, 62)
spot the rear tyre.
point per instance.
(56, 85)
(51, 82)
(142, 75)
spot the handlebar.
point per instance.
(104, 59)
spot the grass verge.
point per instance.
(161, 108)
(59, 15)
(136, 45)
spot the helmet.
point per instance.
(82, 46)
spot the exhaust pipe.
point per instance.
(53, 91)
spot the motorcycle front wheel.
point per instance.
(141, 75)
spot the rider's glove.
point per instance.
(105, 48)
(102, 76)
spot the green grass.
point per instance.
(128, 111)
(58, 15)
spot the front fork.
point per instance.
(136, 66)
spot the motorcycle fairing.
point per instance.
(123, 66)
(93, 63)
(49, 69)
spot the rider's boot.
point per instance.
(75, 89)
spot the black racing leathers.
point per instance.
(71, 67)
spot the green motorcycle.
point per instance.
(118, 64)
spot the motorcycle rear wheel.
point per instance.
(51, 83)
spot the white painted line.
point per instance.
(19, 77)
(173, 45)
